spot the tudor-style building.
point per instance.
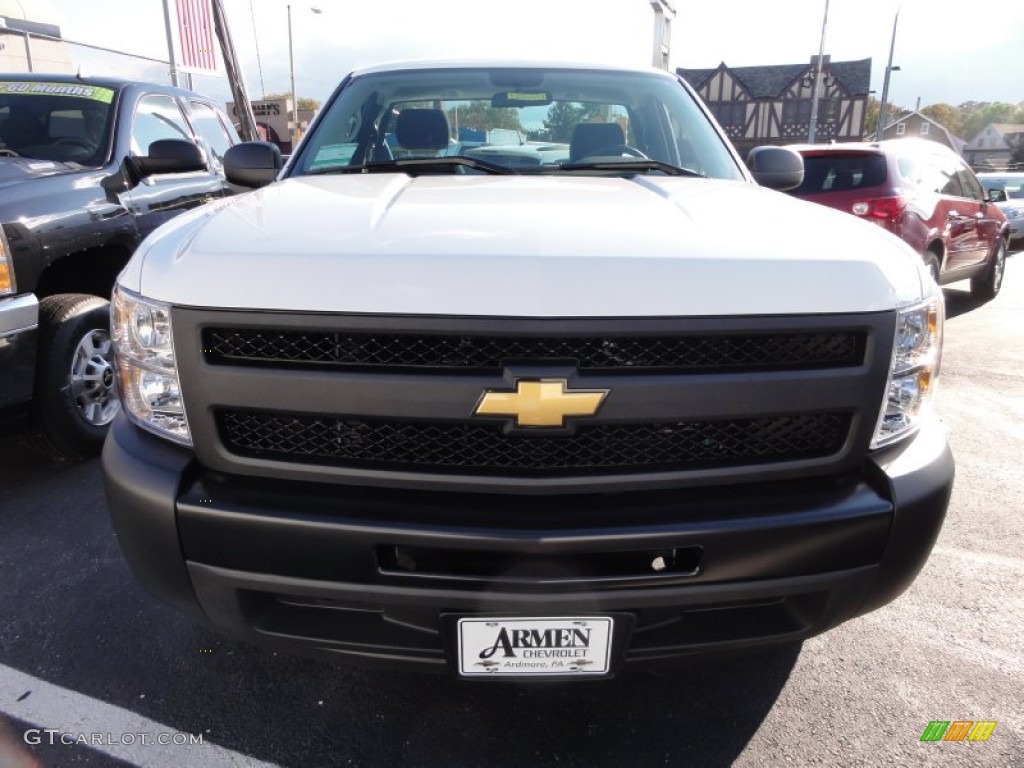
(772, 104)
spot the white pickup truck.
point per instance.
(419, 403)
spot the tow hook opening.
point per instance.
(497, 566)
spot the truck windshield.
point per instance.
(66, 122)
(525, 120)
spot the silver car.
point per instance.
(1012, 185)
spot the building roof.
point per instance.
(1004, 128)
(953, 141)
(771, 80)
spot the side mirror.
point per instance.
(996, 196)
(171, 156)
(776, 167)
(252, 163)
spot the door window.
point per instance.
(934, 173)
(210, 129)
(970, 184)
(157, 117)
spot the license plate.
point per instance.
(521, 647)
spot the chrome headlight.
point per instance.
(916, 355)
(7, 284)
(147, 373)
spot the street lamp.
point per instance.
(813, 127)
(883, 108)
(291, 64)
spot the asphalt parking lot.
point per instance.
(85, 652)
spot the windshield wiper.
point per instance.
(633, 165)
(417, 165)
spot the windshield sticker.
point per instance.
(91, 92)
(517, 96)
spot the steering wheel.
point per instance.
(73, 141)
(616, 150)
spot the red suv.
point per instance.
(922, 192)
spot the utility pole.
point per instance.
(883, 108)
(291, 66)
(813, 128)
(664, 12)
(171, 55)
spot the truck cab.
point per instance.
(88, 168)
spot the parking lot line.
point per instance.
(62, 716)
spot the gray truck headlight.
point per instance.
(147, 374)
(916, 355)
(7, 284)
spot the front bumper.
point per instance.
(378, 576)
(19, 324)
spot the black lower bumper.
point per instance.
(380, 576)
(18, 343)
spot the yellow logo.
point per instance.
(541, 403)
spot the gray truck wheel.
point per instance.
(75, 396)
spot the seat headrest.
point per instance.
(587, 137)
(422, 129)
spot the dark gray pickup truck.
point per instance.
(88, 168)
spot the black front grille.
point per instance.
(484, 448)
(606, 353)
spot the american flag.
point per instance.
(196, 38)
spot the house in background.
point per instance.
(772, 104)
(916, 125)
(992, 148)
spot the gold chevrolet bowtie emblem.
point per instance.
(541, 403)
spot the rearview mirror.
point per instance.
(171, 156)
(776, 167)
(252, 163)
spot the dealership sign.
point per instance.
(534, 646)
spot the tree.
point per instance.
(1016, 143)
(305, 102)
(893, 113)
(566, 115)
(946, 115)
(871, 115)
(979, 114)
(481, 116)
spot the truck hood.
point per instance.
(540, 246)
(14, 170)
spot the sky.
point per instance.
(947, 50)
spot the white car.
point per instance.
(496, 421)
(1012, 186)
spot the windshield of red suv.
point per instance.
(515, 120)
(841, 173)
(66, 122)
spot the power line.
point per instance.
(259, 61)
